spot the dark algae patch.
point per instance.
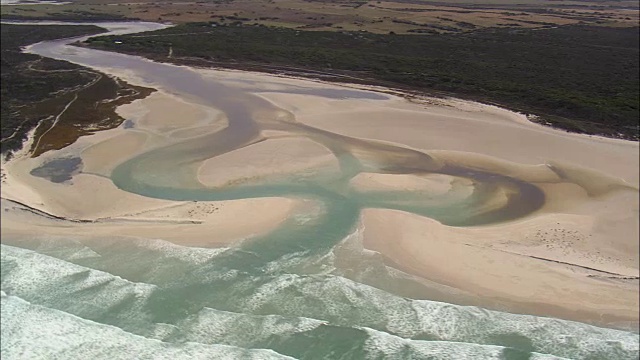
(58, 170)
(579, 78)
(38, 92)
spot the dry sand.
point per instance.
(432, 184)
(267, 160)
(199, 224)
(463, 127)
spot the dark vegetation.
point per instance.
(70, 15)
(36, 89)
(580, 78)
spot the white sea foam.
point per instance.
(270, 290)
(84, 253)
(193, 255)
(287, 262)
(553, 336)
(344, 302)
(77, 248)
(36, 332)
(215, 326)
(79, 290)
(64, 248)
(382, 345)
(298, 304)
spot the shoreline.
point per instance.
(481, 135)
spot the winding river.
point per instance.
(281, 294)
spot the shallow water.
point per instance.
(286, 292)
(222, 297)
(59, 170)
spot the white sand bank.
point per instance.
(200, 224)
(267, 158)
(434, 184)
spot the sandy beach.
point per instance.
(576, 257)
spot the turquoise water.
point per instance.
(306, 290)
(109, 298)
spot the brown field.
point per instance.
(417, 16)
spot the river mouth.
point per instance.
(306, 288)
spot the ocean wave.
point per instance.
(381, 345)
(344, 302)
(75, 289)
(296, 315)
(132, 258)
(308, 338)
(36, 332)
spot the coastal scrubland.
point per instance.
(571, 64)
(40, 92)
(579, 78)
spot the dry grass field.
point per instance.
(399, 16)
